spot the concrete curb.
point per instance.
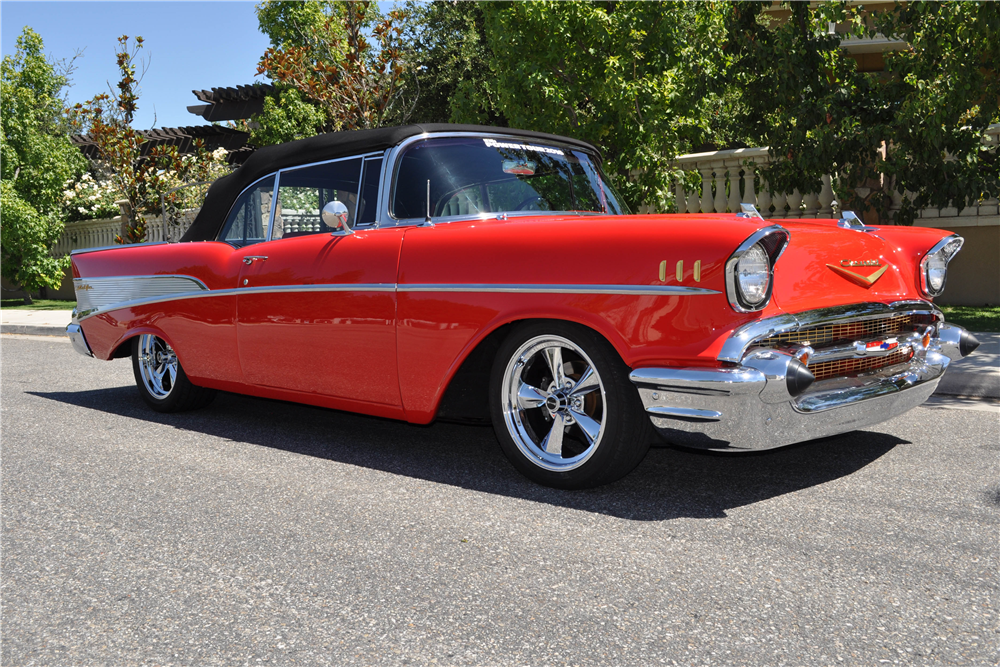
(32, 330)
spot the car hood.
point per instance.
(826, 265)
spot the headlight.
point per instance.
(753, 275)
(750, 270)
(934, 265)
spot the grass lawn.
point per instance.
(39, 304)
(974, 318)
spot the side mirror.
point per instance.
(335, 217)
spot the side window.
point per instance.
(302, 194)
(368, 207)
(248, 219)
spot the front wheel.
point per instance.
(563, 408)
(162, 383)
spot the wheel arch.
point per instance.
(465, 397)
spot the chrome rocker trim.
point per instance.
(762, 402)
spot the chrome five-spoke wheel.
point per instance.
(161, 380)
(554, 402)
(157, 366)
(563, 408)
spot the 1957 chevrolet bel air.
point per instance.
(445, 271)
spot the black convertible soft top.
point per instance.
(269, 159)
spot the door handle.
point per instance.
(248, 260)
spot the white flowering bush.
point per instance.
(89, 198)
(93, 195)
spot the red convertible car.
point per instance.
(458, 272)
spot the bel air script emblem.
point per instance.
(859, 278)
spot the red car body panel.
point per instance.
(336, 332)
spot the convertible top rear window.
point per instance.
(477, 175)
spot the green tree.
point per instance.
(446, 46)
(633, 78)
(916, 128)
(36, 159)
(324, 53)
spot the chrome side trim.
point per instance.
(652, 290)
(276, 289)
(94, 294)
(117, 246)
(742, 338)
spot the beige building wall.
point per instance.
(974, 274)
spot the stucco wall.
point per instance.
(974, 274)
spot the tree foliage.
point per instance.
(916, 128)
(633, 78)
(450, 56)
(323, 52)
(140, 176)
(36, 158)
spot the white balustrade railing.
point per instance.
(97, 233)
(729, 178)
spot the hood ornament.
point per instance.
(858, 278)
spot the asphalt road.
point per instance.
(256, 532)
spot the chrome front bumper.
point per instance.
(753, 405)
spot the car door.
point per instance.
(316, 306)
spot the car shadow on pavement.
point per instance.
(669, 483)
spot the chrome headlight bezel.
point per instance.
(772, 241)
(941, 254)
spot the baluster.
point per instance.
(719, 204)
(826, 198)
(680, 198)
(780, 199)
(693, 202)
(707, 206)
(733, 203)
(795, 204)
(749, 196)
(764, 199)
(811, 201)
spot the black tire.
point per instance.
(162, 383)
(527, 401)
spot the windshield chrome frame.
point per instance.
(391, 166)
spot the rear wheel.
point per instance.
(563, 408)
(162, 382)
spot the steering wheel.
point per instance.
(534, 199)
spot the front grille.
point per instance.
(843, 334)
(844, 331)
(848, 367)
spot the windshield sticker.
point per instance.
(519, 167)
(522, 147)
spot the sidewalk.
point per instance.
(976, 376)
(35, 322)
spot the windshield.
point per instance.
(470, 176)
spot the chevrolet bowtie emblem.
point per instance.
(864, 281)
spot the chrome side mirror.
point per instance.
(335, 216)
